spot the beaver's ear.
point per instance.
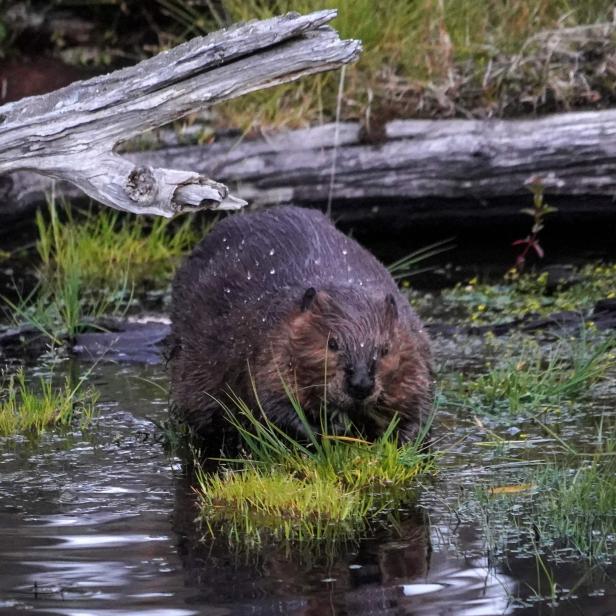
(391, 308)
(315, 301)
(308, 298)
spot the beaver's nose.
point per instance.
(360, 383)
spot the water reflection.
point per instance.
(391, 573)
(103, 523)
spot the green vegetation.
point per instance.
(522, 294)
(566, 505)
(23, 410)
(329, 488)
(539, 212)
(410, 265)
(422, 58)
(92, 265)
(430, 57)
(578, 507)
(533, 379)
(112, 250)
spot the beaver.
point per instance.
(278, 302)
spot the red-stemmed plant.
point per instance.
(538, 212)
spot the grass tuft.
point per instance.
(93, 265)
(326, 488)
(26, 410)
(112, 250)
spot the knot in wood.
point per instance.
(141, 185)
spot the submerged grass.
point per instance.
(569, 504)
(25, 409)
(533, 379)
(91, 266)
(578, 507)
(327, 488)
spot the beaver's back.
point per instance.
(252, 269)
(255, 259)
(281, 247)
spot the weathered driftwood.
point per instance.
(474, 160)
(440, 168)
(71, 133)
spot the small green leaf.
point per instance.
(528, 210)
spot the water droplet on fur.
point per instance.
(345, 251)
(272, 252)
(227, 290)
(263, 319)
(272, 271)
(224, 240)
(248, 276)
(362, 345)
(227, 247)
(317, 261)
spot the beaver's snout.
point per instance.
(359, 382)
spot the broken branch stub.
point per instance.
(70, 134)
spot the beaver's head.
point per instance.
(344, 349)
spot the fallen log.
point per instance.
(420, 165)
(422, 168)
(71, 134)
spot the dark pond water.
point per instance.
(101, 522)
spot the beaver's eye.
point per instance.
(384, 350)
(332, 344)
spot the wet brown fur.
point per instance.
(266, 331)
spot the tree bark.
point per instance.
(70, 134)
(422, 169)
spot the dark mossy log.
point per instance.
(71, 133)
(421, 169)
